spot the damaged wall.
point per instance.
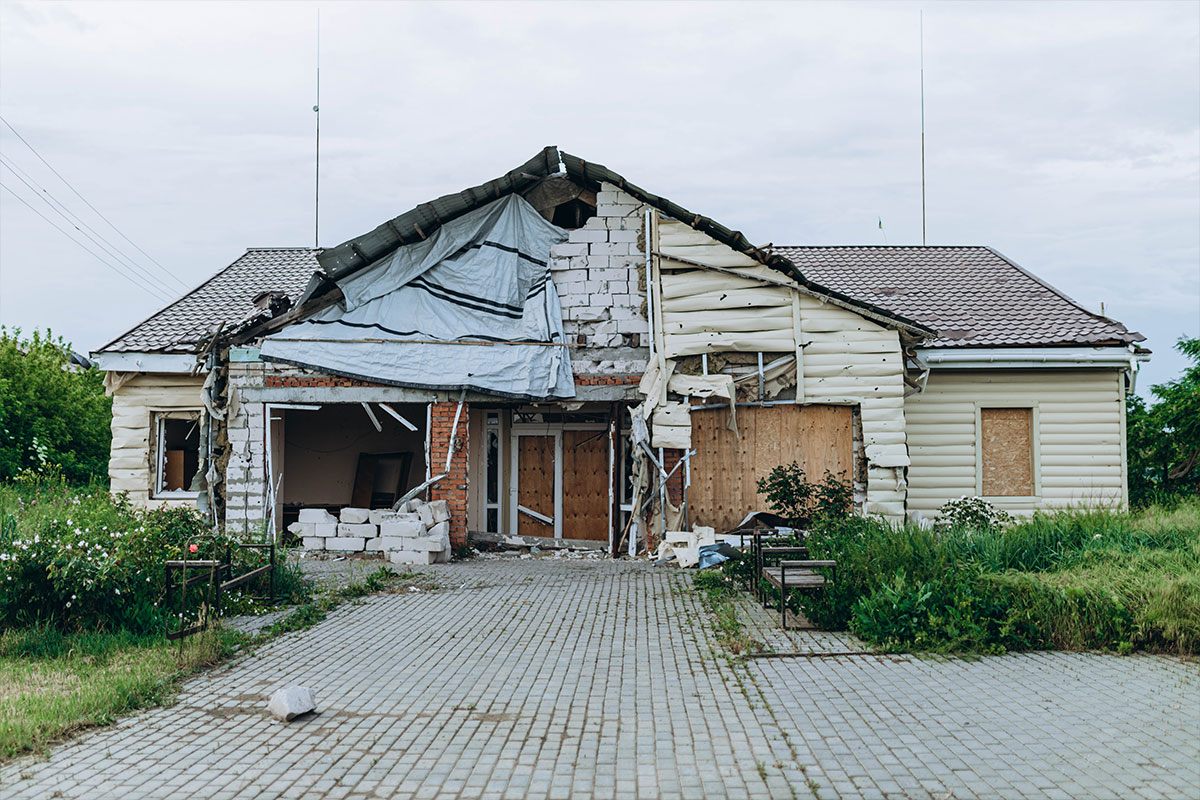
(597, 273)
(844, 358)
(134, 402)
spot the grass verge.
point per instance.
(54, 684)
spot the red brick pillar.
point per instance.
(452, 488)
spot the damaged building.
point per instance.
(561, 355)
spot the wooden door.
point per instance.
(726, 468)
(535, 485)
(585, 485)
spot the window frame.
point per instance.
(1035, 449)
(159, 416)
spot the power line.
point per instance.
(75, 221)
(148, 289)
(92, 207)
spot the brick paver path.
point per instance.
(552, 678)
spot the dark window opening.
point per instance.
(179, 454)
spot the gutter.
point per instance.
(1034, 358)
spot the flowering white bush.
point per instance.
(973, 512)
(87, 560)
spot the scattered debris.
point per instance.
(417, 534)
(291, 702)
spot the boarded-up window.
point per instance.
(1006, 448)
(726, 467)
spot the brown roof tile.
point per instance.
(972, 296)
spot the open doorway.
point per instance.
(345, 454)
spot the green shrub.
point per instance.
(54, 416)
(800, 502)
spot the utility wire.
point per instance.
(168, 272)
(148, 289)
(75, 221)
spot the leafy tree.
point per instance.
(1164, 438)
(54, 414)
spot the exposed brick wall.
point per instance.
(313, 380)
(607, 380)
(671, 457)
(452, 488)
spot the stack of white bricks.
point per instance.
(419, 533)
(596, 275)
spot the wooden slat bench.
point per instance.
(800, 576)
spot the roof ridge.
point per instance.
(880, 247)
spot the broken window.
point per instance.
(1006, 452)
(177, 452)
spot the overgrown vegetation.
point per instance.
(800, 502)
(54, 416)
(1069, 580)
(978, 581)
(88, 560)
(1164, 438)
(719, 593)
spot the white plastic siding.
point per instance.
(133, 404)
(1078, 436)
(845, 358)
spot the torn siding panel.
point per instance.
(134, 402)
(1077, 435)
(844, 358)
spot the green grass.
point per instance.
(53, 684)
(719, 594)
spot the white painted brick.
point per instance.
(600, 300)
(559, 264)
(390, 544)
(605, 197)
(587, 235)
(406, 527)
(595, 286)
(354, 516)
(623, 236)
(314, 542)
(568, 249)
(567, 276)
(609, 249)
(363, 530)
(325, 529)
(349, 544)
(238, 435)
(378, 516)
(316, 515)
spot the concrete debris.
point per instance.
(402, 536)
(685, 546)
(291, 702)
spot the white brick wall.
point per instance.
(596, 275)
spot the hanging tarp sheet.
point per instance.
(482, 278)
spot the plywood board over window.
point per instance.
(1006, 452)
(726, 468)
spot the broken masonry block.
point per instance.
(365, 529)
(426, 512)
(355, 516)
(389, 544)
(303, 528)
(378, 516)
(441, 532)
(325, 529)
(374, 545)
(316, 515)
(441, 510)
(428, 544)
(349, 544)
(291, 702)
(412, 557)
(442, 557)
(314, 542)
(402, 527)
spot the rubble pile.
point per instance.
(416, 533)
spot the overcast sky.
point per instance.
(1065, 135)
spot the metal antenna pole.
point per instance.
(922, 127)
(317, 111)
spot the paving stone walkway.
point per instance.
(553, 678)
